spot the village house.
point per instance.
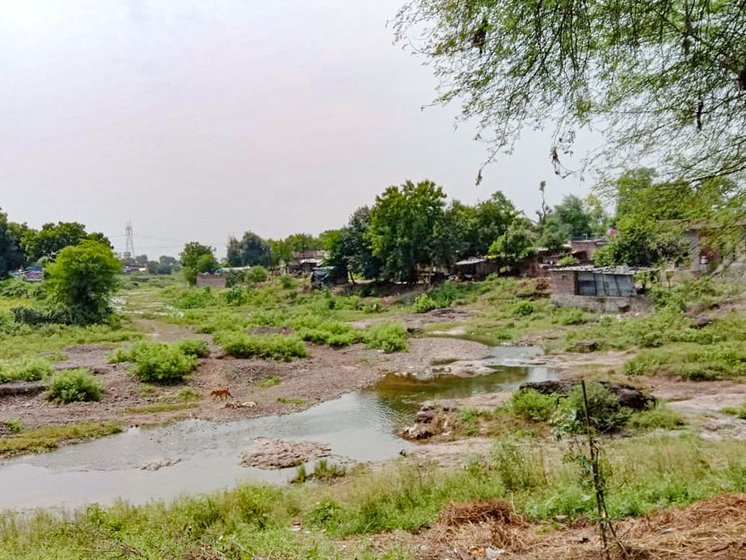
(303, 262)
(610, 290)
(475, 268)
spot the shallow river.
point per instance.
(206, 455)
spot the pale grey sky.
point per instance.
(197, 120)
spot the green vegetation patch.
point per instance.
(26, 369)
(272, 346)
(37, 440)
(158, 362)
(74, 385)
(389, 337)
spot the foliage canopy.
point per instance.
(665, 79)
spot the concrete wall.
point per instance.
(606, 304)
(211, 281)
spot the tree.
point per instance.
(515, 245)
(196, 259)
(11, 252)
(403, 226)
(351, 250)
(665, 79)
(652, 215)
(82, 279)
(52, 238)
(251, 250)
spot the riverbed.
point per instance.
(194, 456)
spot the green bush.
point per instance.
(74, 385)
(287, 282)
(29, 369)
(257, 274)
(437, 298)
(14, 425)
(570, 316)
(657, 417)
(235, 296)
(522, 308)
(158, 361)
(606, 414)
(332, 333)
(737, 411)
(194, 347)
(389, 337)
(194, 298)
(273, 346)
(532, 405)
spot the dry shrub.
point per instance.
(713, 529)
(485, 511)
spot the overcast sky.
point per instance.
(196, 120)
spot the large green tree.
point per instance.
(250, 250)
(196, 259)
(651, 215)
(52, 238)
(403, 228)
(665, 80)
(82, 279)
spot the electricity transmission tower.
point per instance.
(129, 246)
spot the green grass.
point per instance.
(737, 411)
(37, 440)
(160, 407)
(642, 476)
(25, 369)
(268, 382)
(290, 400)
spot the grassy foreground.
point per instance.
(645, 474)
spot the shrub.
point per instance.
(532, 405)
(606, 414)
(287, 282)
(29, 369)
(234, 295)
(74, 385)
(159, 362)
(333, 333)
(194, 347)
(81, 280)
(389, 337)
(656, 417)
(194, 298)
(273, 346)
(739, 412)
(257, 274)
(34, 317)
(14, 425)
(437, 298)
(424, 303)
(570, 316)
(567, 260)
(522, 308)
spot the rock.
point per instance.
(268, 453)
(624, 307)
(157, 465)
(585, 346)
(701, 321)
(628, 396)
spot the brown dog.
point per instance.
(221, 393)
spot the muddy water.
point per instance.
(200, 456)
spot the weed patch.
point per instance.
(27, 369)
(37, 440)
(389, 337)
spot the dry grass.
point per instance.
(713, 529)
